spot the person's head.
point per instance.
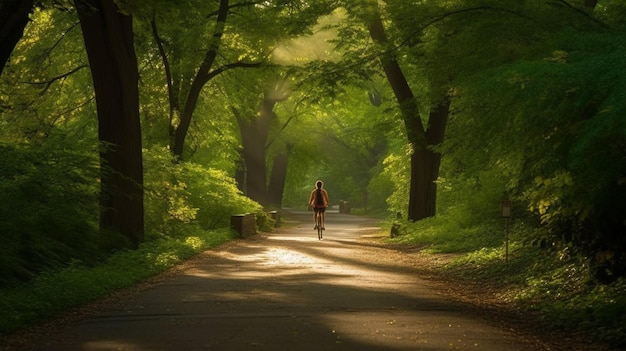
(319, 184)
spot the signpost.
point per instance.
(506, 214)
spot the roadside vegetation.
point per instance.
(69, 263)
(57, 291)
(555, 283)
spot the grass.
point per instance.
(552, 282)
(54, 292)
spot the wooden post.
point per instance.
(244, 224)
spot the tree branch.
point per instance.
(174, 103)
(48, 83)
(233, 65)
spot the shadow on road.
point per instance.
(287, 290)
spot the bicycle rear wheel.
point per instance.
(318, 221)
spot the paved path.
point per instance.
(288, 291)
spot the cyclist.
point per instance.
(319, 202)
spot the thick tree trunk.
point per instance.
(424, 162)
(240, 173)
(277, 179)
(13, 20)
(108, 36)
(256, 170)
(425, 165)
(254, 134)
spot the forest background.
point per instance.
(132, 124)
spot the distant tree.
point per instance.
(254, 138)
(108, 37)
(278, 178)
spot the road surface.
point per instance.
(287, 290)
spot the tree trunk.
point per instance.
(424, 162)
(240, 173)
(108, 36)
(277, 179)
(425, 165)
(172, 86)
(256, 170)
(254, 134)
(13, 20)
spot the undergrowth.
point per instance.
(555, 282)
(55, 291)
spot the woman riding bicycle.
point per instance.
(319, 202)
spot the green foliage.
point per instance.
(379, 190)
(397, 171)
(264, 221)
(58, 290)
(447, 234)
(469, 212)
(178, 193)
(48, 209)
(553, 125)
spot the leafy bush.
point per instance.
(49, 206)
(397, 169)
(184, 192)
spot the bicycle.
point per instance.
(318, 224)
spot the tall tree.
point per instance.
(108, 37)
(13, 19)
(254, 136)
(425, 162)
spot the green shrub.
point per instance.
(178, 193)
(264, 221)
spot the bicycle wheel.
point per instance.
(319, 226)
